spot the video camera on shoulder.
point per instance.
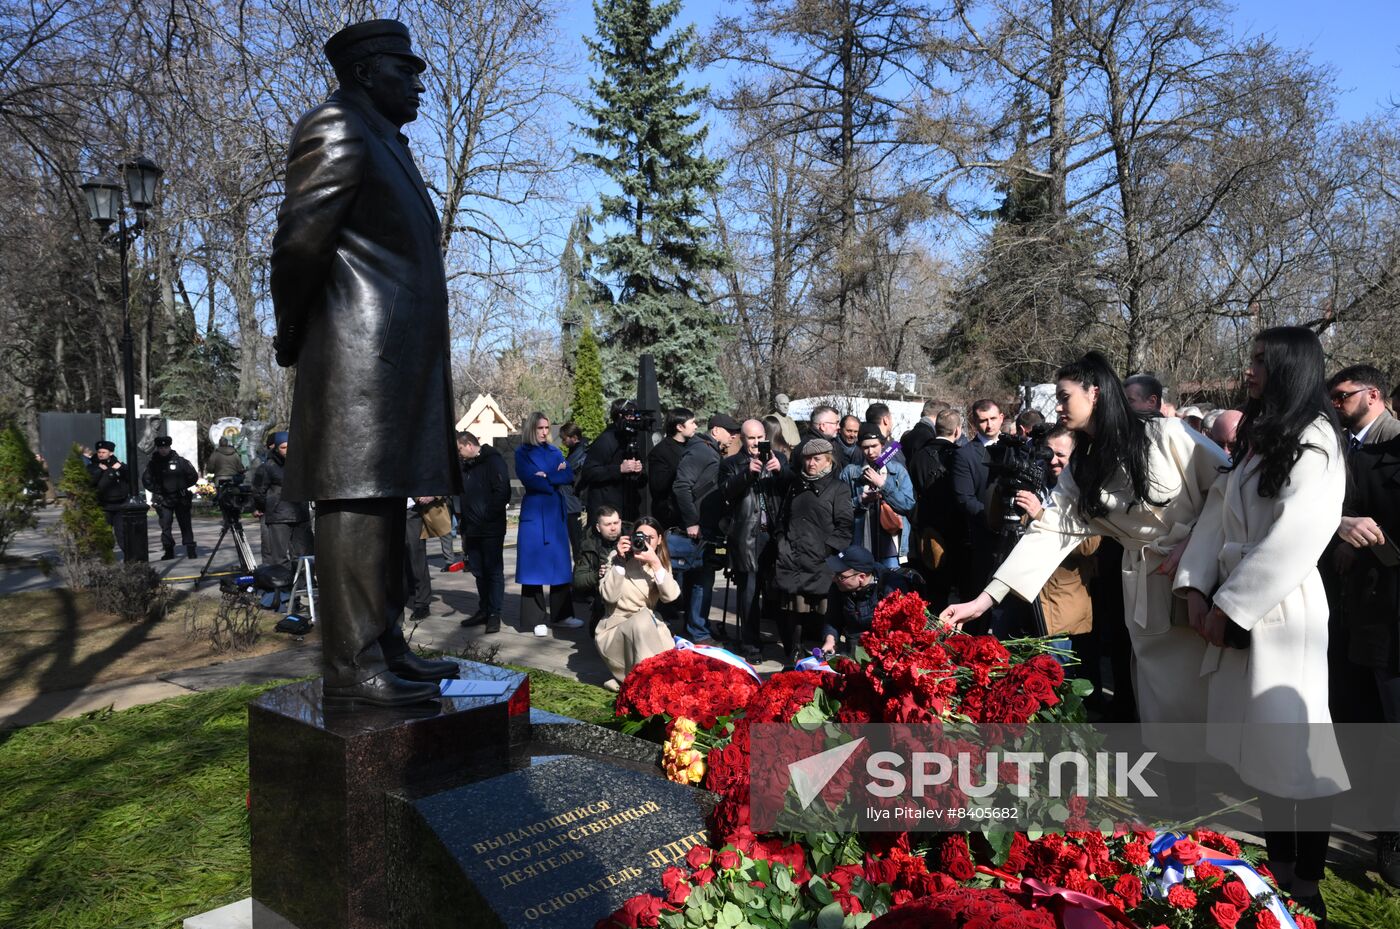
(1017, 466)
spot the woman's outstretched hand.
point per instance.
(959, 613)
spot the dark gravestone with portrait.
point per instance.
(562, 843)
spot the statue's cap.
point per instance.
(377, 36)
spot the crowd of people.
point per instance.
(1153, 540)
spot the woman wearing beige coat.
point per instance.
(1142, 483)
(1254, 555)
(631, 587)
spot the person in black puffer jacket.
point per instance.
(168, 477)
(814, 522)
(286, 526)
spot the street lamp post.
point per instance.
(104, 202)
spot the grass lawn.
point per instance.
(54, 640)
(137, 819)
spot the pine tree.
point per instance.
(588, 409)
(657, 248)
(83, 523)
(21, 484)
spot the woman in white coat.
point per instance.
(1142, 482)
(1254, 554)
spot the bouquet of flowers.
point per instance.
(684, 683)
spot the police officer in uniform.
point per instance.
(109, 478)
(168, 479)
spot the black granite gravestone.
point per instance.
(560, 844)
(318, 780)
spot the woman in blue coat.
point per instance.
(542, 557)
(870, 486)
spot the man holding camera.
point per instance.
(168, 478)
(594, 555)
(751, 484)
(613, 473)
(700, 506)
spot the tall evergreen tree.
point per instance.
(587, 407)
(657, 247)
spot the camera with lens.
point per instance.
(1018, 466)
(232, 497)
(640, 543)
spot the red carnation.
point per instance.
(1225, 915)
(1209, 872)
(1137, 854)
(1181, 897)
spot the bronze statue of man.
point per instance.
(360, 294)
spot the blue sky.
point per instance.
(1358, 38)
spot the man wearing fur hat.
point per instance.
(168, 478)
(360, 294)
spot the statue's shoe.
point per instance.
(385, 689)
(411, 667)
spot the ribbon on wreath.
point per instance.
(1072, 909)
(718, 654)
(1171, 871)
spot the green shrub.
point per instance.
(133, 590)
(21, 484)
(85, 538)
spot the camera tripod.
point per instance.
(233, 525)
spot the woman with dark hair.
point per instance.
(542, 553)
(1141, 481)
(1249, 576)
(638, 579)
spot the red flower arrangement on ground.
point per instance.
(684, 683)
(911, 671)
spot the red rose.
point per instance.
(1304, 922)
(1186, 851)
(641, 911)
(1181, 897)
(703, 876)
(1265, 919)
(677, 895)
(698, 856)
(1225, 915)
(1129, 888)
(727, 860)
(1237, 895)
(672, 878)
(850, 903)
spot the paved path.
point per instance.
(568, 652)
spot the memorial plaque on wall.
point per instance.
(562, 843)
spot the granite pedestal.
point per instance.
(319, 777)
(562, 843)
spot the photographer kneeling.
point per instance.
(864, 583)
(638, 579)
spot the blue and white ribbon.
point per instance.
(1171, 872)
(718, 654)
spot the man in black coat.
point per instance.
(662, 463)
(168, 478)
(971, 478)
(594, 555)
(109, 480)
(814, 522)
(940, 528)
(1369, 565)
(482, 525)
(286, 524)
(613, 474)
(751, 484)
(360, 294)
(700, 508)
